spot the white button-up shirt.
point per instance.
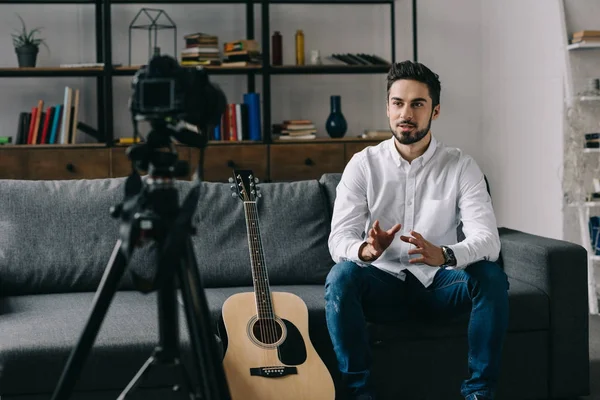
(431, 196)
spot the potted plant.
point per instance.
(27, 45)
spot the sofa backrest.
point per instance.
(57, 236)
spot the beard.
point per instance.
(411, 137)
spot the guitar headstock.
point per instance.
(245, 185)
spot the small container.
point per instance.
(299, 47)
(276, 52)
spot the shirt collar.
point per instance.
(422, 159)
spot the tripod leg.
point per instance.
(108, 286)
(204, 347)
(167, 353)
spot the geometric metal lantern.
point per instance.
(153, 15)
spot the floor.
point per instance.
(594, 359)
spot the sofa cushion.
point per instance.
(57, 236)
(528, 311)
(129, 332)
(294, 227)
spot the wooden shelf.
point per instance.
(329, 69)
(49, 71)
(47, 1)
(345, 139)
(132, 69)
(53, 146)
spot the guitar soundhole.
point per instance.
(267, 331)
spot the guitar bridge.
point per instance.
(273, 372)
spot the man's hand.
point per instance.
(377, 241)
(430, 254)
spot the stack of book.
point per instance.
(592, 140)
(200, 49)
(241, 53)
(295, 129)
(586, 37)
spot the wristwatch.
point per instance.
(449, 257)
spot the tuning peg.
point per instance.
(230, 180)
(259, 194)
(233, 195)
(232, 187)
(256, 180)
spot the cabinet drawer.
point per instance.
(219, 161)
(305, 161)
(46, 164)
(120, 164)
(13, 164)
(354, 147)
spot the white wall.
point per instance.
(449, 42)
(522, 123)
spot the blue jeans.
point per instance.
(357, 294)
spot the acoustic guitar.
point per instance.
(269, 354)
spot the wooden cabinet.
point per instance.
(49, 162)
(221, 159)
(290, 162)
(13, 163)
(352, 148)
(274, 162)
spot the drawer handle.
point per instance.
(70, 167)
(230, 164)
(308, 161)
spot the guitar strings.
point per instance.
(264, 281)
(254, 270)
(267, 307)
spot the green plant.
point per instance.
(24, 37)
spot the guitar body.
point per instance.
(272, 359)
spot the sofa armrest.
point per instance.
(559, 269)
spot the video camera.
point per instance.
(179, 101)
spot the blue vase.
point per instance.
(336, 125)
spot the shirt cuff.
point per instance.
(460, 253)
(354, 256)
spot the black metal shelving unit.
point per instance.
(104, 75)
(98, 73)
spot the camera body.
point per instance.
(163, 90)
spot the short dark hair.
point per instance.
(418, 72)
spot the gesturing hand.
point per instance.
(377, 241)
(430, 254)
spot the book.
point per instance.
(254, 124)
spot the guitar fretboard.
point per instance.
(262, 291)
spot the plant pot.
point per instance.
(27, 55)
(336, 123)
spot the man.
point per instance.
(394, 240)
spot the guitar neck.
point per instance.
(260, 278)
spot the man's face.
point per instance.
(409, 109)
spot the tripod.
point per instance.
(151, 211)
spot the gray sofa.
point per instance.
(55, 242)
